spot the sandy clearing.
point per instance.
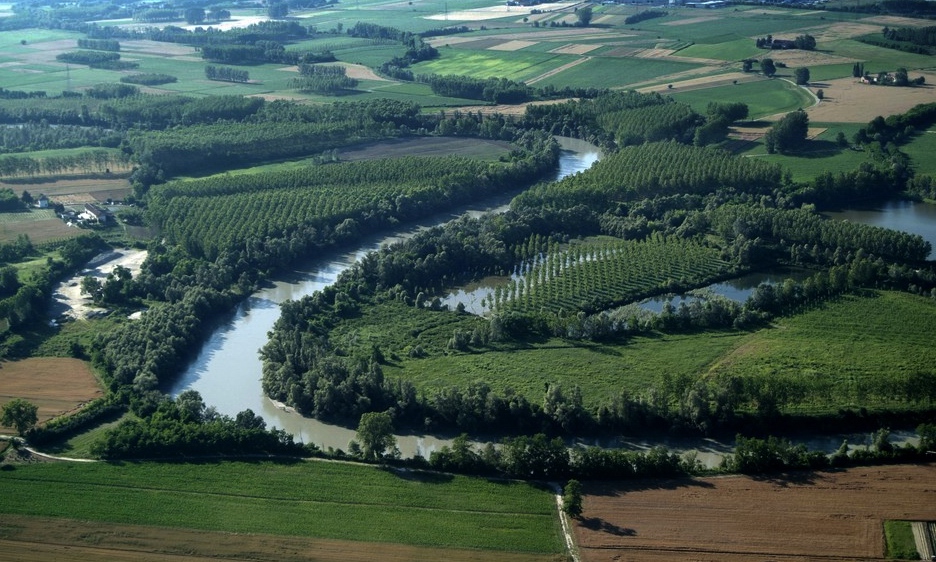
(514, 45)
(361, 72)
(804, 517)
(67, 299)
(849, 101)
(56, 385)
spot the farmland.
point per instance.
(812, 516)
(336, 502)
(55, 385)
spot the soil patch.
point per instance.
(29, 539)
(849, 101)
(55, 384)
(800, 516)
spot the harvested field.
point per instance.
(55, 384)
(575, 49)
(691, 21)
(801, 516)
(796, 58)
(514, 45)
(845, 30)
(700, 83)
(39, 231)
(66, 540)
(74, 191)
(897, 21)
(849, 101)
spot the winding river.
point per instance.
(227, 371)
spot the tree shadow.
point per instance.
(421, 476)
(600, 525)
(792, 478)
(622, 487)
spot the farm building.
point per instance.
(93, 213)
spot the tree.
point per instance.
(584, 16)
(802, 76)
(805, 42)
(788, 134)
(194, 16)
(820, 95)
(20, 414)
(572, 498)
(767, 67)
(278, 10)
(375, 434)
(901, 78)
(90, 286)
(747, 65)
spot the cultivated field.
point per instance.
(40, 225)
(55, 384)
(74, 191)
(849, 101)
(229, 509)
(799, 517)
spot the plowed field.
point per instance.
(806, 517)
(55, 384)
(29, 539)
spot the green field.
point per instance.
(898, 536)
(309, 499)
(516, 65)
(856, 350)
(763, 97)
(819, 155)
(921, 150)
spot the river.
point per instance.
(227, 372)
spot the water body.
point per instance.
(737, 289)
(906, 216)
(227, 372)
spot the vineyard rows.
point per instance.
(597, 275)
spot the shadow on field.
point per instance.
(421, 476)
(622, 487)
(793, 478)
(599, 524)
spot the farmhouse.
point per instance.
(93, 213)
(42, 202)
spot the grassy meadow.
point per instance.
(309, 499)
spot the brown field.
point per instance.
(37, 539)
(39, 231)
(55, 384)
(843, 31)
(801, 517)
(74, 191)
(849, 101)
(514, 45)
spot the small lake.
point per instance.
(907, 216)
(737, 289)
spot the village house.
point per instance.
(93, 213)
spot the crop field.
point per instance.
(40, 225)
(857, 349)
(849, 101)
(515, 65)
(763, 97)
(74, 191)
(296, 501)
(55, 384)
(802, 517)
(600, 370)
(921, 150)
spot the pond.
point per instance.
(907, 216)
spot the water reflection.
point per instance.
(906, 216)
